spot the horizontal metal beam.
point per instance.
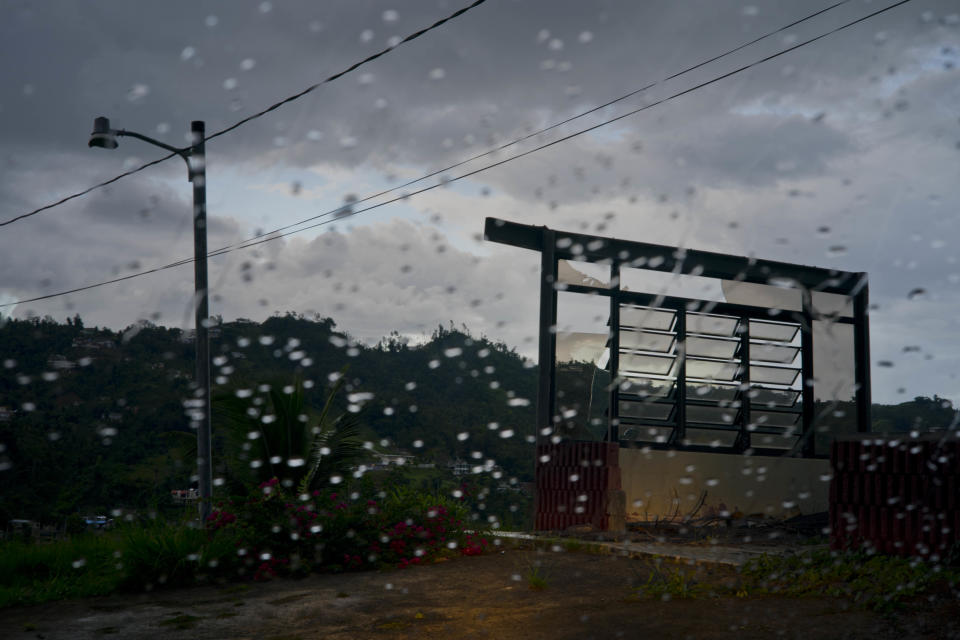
(578, 246)
(694, 448)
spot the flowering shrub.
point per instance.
(340, 531)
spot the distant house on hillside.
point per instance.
(188, 335)
(384, 459)
(60, 362)
(93, 342)
(459, 467)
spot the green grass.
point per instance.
(536, 579)
(130, 558)
(82, 566)
(171, 554)
(876, 582)
(672, 583)
(571, 545)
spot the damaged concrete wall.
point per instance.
(660, 484)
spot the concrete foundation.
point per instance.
(666, 484)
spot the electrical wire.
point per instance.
(545, 129)
(259, 114)
(404, 196)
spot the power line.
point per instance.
(87, 190)
(259, 114)
(261, 240)
(412, 36)
(540, 131)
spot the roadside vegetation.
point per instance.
(876, 582)
(309, 510)
(265, 534)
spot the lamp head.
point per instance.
(103, 135)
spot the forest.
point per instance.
(93, 420)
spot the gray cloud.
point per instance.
(855, 134)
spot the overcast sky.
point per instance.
(841, 154)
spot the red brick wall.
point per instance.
(576, 482)
(896, 495)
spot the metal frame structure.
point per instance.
(745, 415)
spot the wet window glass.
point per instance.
(594, 305)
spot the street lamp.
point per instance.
(194, 155)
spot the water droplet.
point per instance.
(366, 36)
(463, 435)
(585, 37)
(187, 53)
(211, 21)
(266, 7)
(437, 74)
(390, 15)
(230, 84)
(247, 64)
(138, 92)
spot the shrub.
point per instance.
(341, 530)
(260, 536)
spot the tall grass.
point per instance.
(173, 554)
(86, 565)
(133, 557)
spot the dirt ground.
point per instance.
(585, 596)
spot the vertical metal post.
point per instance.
(807, 388)
(743, 438)
(613, 362)
(680, 428)
(546, 358)
(861, 355)
(198, 176)
(548, 331)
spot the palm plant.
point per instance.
(282, 438)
